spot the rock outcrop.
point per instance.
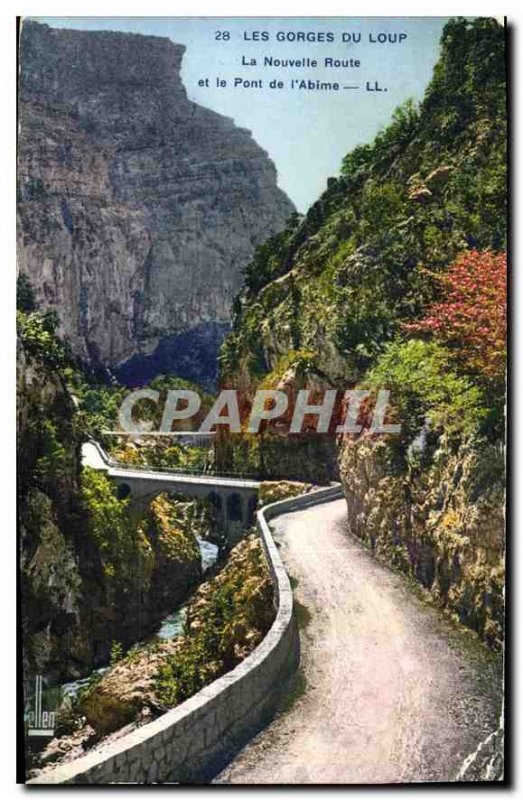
(92, 570)
(55, 552)
(323, 300)
(138, 208)
(226, 619)
(442, 525)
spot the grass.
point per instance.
(302, 614)
(297, 688)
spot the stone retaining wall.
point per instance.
(191, 742)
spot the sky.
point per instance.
(306, 133)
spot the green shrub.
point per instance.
(424, 386)
(25, 299)
(37, 333)
(227, 618)
(125, 551)
(57, 461)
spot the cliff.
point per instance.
(92, 570)
(442, 524)
(396, 279)
(138, 208)
(52, 533)
(327, 292)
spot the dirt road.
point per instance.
(388, 691)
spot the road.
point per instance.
(93, 456)
(393, 692)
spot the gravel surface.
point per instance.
(388, 691)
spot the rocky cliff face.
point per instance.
(323, 300)
(443, 524)
(137, 208)
(54, 548)
(92, 570)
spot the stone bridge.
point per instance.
(235, 499)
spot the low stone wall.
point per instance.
(189, 743)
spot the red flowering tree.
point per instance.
(471, 318)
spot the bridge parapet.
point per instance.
(234, 498)
(192, 742)
(234, 501)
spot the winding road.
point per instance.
(387, 692)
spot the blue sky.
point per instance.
(305, 133)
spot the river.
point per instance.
(171, 626)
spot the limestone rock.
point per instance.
(420, 194)
(138, 208)
(126, 689)
(439, 176)
(442, 525)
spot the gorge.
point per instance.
(141, 216)
(138, 209)
(396, 278)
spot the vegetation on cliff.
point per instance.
(226, 618)
(396, 279)
(93, 569)
(341, 281)
(273, 491)
(434, 505)
(51, 525)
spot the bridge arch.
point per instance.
(234, 508)
(251, 509)
(214, 498)
(234, 504)
(123, 490)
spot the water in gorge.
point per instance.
(170, 627)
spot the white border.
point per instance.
(7, 221)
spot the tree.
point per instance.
(25, 298)
(471, 316)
